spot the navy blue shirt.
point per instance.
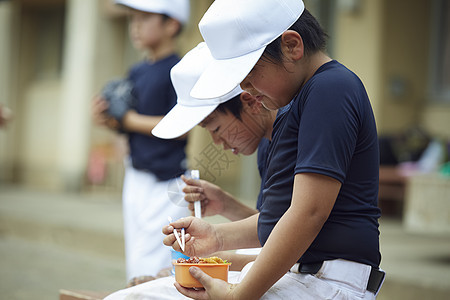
(261, 160)
(155, 97)
(328, 129)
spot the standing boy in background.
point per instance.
(134, 106)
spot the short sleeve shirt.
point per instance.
(155, 97)
(328, 129)
(261, 161)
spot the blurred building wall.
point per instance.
(387, 43)
(405, 52)
(6, 91)
(358, 39)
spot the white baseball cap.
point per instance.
(237, 32)
(177, 9)
(189, 111)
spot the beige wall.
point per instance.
(357, 45)
(32, 79)
(436, 119)
(6, 90)
(406, 59)
(388, 47)
(405, 63)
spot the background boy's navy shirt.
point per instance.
(156, 96)
(329, 129)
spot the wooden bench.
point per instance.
(81, 295)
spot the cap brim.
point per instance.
(176, 123)
(137, 6)
(223, 75)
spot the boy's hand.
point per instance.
(213, 288)
(211, 196)
(100, 116)
(98, 110)
(5, 115)
(201, 237)
(214, 200)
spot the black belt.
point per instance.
(376, 276)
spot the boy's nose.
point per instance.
(216, 139)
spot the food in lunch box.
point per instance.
(200, 260)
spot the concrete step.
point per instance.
(85, 223)
(417, 265)
(54, 241)
(35, 270)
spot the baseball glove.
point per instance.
(120, 97)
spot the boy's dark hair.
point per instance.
(314, 37)
(234, 106)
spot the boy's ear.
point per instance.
(250, 102)
(172, 27)
(292, 45)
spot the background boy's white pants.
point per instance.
(146, 206)
(335, 280)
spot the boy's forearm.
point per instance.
(280, 253)
(144, 124)
(238, 261)
(235, 210)
(239, 234)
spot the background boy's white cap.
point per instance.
(237, 32)
(177, 9)
(189, 111)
